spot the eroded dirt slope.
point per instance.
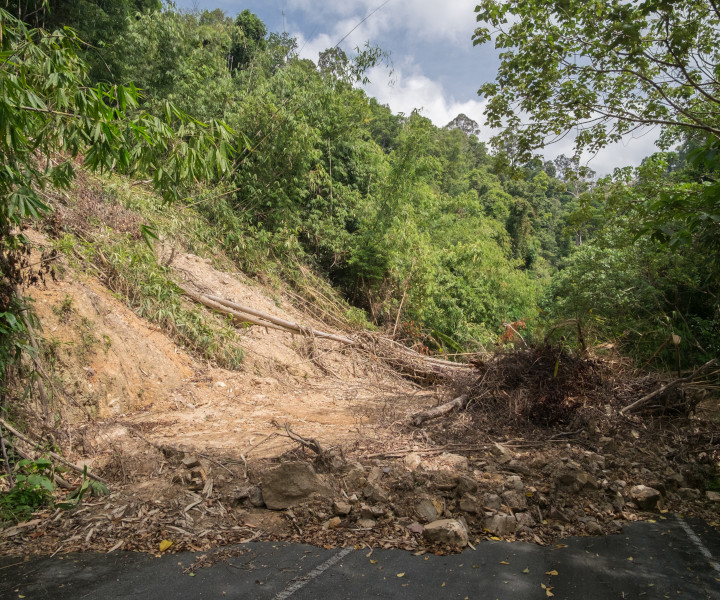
(124, 370)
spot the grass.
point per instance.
(106, 235)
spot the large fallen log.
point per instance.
(438, 411)
(202, 299)
(404, 359)
(296, 327)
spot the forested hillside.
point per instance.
(436, 237)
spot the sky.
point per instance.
(435, 67)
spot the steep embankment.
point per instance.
(124, 370)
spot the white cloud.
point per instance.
(416, 91)
(426, 20)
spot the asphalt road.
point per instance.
(668, 559)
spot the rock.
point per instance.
(446, 531)
(712, 496)
(366, 523)
(514, 482)
(335, 463)
(658, 485)
(525, 519)
(468, 504)
(290, 484)
(503, 454)
(444, 481)
(593, 527)
(454, 462)
(514, 500)
(558, 515)
(190, 462)
(466, 485)
(674, 479)
(245, 493)
(372, 512)
(333, 523)
(596, 461)
(501, 525)
(375, 493)
(256, 497)
(374, 475)
(427, 510)
(517, 467)
(415, 527)
(412, 461)
(576, 480)
(492, 501)
(646, 497)
(341, 509)
(355, 479)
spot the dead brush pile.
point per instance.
(543, 386)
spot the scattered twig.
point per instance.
(645, 399)
(306, 443)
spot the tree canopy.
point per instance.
(606, 67)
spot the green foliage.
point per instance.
(252, 39)
(48, 117)
(99, 23)
(33, 489)
(627, 285)
(605, 67)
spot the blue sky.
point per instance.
(436, 68)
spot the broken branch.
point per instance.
(437, 411)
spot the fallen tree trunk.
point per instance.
(202, 299)
(437, 411)
(399, 357)
(296, 327)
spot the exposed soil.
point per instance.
(138, 406)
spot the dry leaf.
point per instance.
(526, 570)
(504, 562)
(373, 562)
(401, 574)
(553, 572)
(164, 545)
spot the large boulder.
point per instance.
(645, 497)
(446, 531)
(290, 484)
(501, 525)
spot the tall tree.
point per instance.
(252, 39)
(606, 67)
